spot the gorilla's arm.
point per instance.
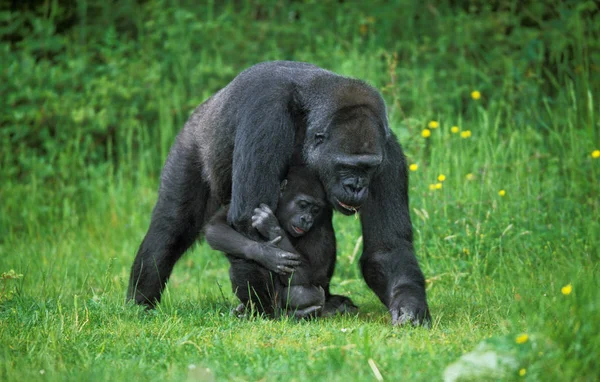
(388, 261)
(263, 147)
(267, 224)
(222, 237)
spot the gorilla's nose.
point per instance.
(307, 222)
(355, 189)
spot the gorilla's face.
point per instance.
(301, 201)
(346, 157)
(297, 214)
(348, 188)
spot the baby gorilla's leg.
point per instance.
(254, 286)
(303, 300)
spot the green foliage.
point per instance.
(5, 292)
(94, 93)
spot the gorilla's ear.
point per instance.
(282, 186)
(385, 123)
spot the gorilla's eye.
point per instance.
(315, 210)
(319, 138)
(302, 204)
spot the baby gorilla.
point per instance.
(297, 228)
(297, 212)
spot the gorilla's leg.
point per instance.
(177, 219)
(254, 285)
(303, 300)
(388, 262)
(334, 303)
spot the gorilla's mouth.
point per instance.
(299, 231)
(347, 207)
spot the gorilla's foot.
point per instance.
(410, 310)
(337, 304)
(239, 311)
(310, 312)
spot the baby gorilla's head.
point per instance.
(301, 201)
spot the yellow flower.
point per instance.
(522, 372)
(363, 29)
(522, 338)
(470, 176)
(413, 167)
(438, 186)
(441, 177)
(501, 192)
(465, 134)
(433, 124)
(567, 289)
(475, 94)
(596, 154)
(454, 129)
(432, 187)
(426, 133)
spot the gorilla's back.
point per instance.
(214, 124)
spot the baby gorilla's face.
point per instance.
(297, 214)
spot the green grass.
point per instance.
(92, 109)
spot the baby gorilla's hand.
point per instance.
(266, 223)
(273, 258)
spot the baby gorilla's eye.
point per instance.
(302, 204)
(316, 210)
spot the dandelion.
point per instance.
(470, 176)
(502, 192)
(432, 187)
(438, 186)
(441, 177)
(426, 133)
(522, 372)
(454, 129)
(465, 134)
(475, 94)
(567, 289)
(522, 338)
(413, 167)
(363, 29)
(433, 124)
(596, 154)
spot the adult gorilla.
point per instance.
(237, 147)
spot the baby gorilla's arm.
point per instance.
(222, 237)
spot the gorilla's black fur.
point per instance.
(236, 148)
(301, 227)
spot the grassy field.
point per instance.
(501, 98)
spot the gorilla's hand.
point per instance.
(275, 259)
(266, 223)
(407, 309)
